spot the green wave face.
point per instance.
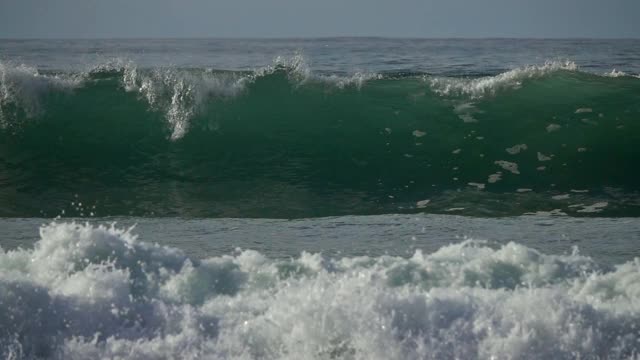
(282, 143)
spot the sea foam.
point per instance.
(87, 292)
(477, 88)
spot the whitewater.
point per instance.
(85, 291)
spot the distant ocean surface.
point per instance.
(343, 198)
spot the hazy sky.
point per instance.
(314, 18)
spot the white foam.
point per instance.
(299, 71)
(358, 79)
(494, 178)
(516, 149)
(488, 86)
(465, 112)
(507, 165)
(24, 87)
(180, 94)
(594, 208)
(98, 292)
(189, 91)
(553, 127)
(617, 73)
(479, 186)
(543, 157)
(418, 133)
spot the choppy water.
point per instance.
(428, 156)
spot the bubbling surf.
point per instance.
(88, 291)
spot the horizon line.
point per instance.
(320, 38)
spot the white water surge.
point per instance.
(86, 292)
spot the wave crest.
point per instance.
(181, 94)
(490, 85)
(22, 89)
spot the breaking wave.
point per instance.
(204, 142)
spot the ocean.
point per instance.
(338, 198)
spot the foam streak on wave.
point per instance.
(98, 292)
(180, 94)
(490, 85)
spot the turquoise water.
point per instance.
(323, 133)
(319, 199)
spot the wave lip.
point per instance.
(479, 87)
(22, 89)
(470, 300)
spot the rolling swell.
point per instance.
(285, 142)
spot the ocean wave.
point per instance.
(318, 145)
(181, 94)
(99, 292)
(177, 93)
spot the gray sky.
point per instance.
(315, 18)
